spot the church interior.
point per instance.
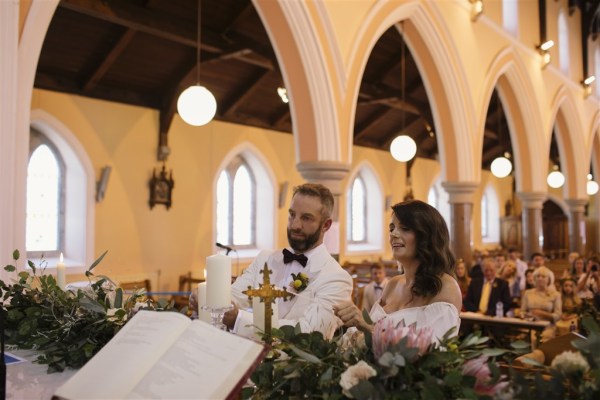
(305, 91)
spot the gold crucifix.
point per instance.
(267, 293)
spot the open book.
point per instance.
(166, 355)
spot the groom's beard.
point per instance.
(309, 241)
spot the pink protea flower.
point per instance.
(387, 334)
(478, 368)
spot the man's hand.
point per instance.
(351, 315)
(229, 317)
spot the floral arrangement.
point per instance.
(395, 361)
(67, 327)
(299, 282)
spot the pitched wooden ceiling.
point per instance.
(143, 53)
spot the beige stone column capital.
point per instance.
(532, 200)
(576, 205)
(460, 192)
(328, 173)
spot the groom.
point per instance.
(328, 284)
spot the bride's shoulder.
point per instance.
(450, 292)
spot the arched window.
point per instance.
(364, 211)
(236, 205)
(65, 195)
(245, 202)
(510, 16)
(357, 232)
(563, 42)
(45, 220)
(490, 216)
(438, 197)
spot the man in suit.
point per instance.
(372, 291)
(328, 284)
(484, 293)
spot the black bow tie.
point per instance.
(288, 257)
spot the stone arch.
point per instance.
(307, 78)
(435, 56)
(570, 140)
(508, 73)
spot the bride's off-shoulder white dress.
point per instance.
(440, 316)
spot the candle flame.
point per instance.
(61, 257)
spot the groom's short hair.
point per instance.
(320, 191)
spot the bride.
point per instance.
(427, 293)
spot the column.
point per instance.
(577, 238)
(533, 234)
(330, 174)
(461, 214)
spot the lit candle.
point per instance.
(258, 315)
(203, 315)
(61, 280)
(218, 281)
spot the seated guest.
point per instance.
(522, 266)
(462, 278)
(529, 283)
(372, 291)
(542, 302)
(476, 271)
(571, 308)
(538, 260)
(588, 284)
(484, 293)
(509, 274)
(576, 270)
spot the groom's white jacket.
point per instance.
(328, 285)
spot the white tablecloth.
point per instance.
(28, 380)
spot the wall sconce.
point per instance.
(476, 9)
(592, 186)
(587, 85)
(403, 148)
(544, 50)
(555, 178)
(501, 167)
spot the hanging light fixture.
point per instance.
(197, 105)
(592, 185)
(501, 167)
(544, 50)
(403, 148)
(555, 178)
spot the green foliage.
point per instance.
(67, 327)
(305, 365)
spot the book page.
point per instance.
(118, 367)
(204, 363)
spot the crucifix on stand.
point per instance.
(267, 293)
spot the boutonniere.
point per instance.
(495, 285)
(299, 282)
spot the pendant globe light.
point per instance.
(501, 167)
(555, 178)
(403, 148)
(197, 105)
(592, 186)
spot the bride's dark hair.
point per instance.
(432, 245)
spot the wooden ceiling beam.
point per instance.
(243, 92)
(410, 126)
(141, 19)
(370, 122)
(109, 60)
(280, 116)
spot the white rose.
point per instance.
(569, 363)
(354, 374)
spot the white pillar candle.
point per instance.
(258, 315)
(218, 281)
(203, 315)
(61, 279)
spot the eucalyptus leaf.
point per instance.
(493, 352)
(16, 254)
(31, 265)
(10, 268)
(305, 355)
(98, 260)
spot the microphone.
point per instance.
(229, 249)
